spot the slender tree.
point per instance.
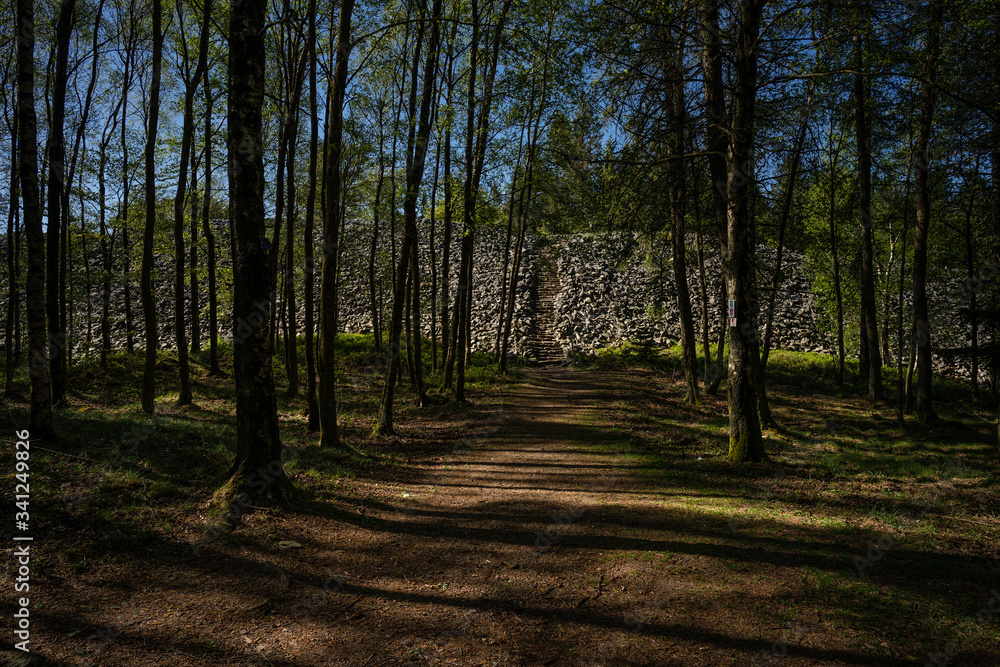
(922, 328)
(191, 83)
(13, 232)
(209, 233)
(54, 212)
(257, 468)
(416, 157)
(40, 420)
(673, 72)
(310, 282)
(331, 227)
(146, 280)
(745, 441)
(871, 358)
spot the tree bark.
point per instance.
(477, 136)
(922, 329)
(106, 245)
(146, 281)
(54, 214)
(447, 359)
(970, 266)
(835, 152)
(673, 70)
(291, 339)
(40, 418)
(871, 358)
(716, 142)
(432, 244)
(124, 215)
(13, 270)
(311, 402)
(702, 281)
(209, 233)
(195, 306)
(257, 468)
(745, 441)
(902, 406)
(187, 134)
(416, 157)
(329, 436)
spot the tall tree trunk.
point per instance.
(279, 214)
(195, 306)
(432, 244)
(871, 358)
(702, 281)
(902, 399)
(507, 258)
(835, 153)
(209, 233)
(745, 441)
(13, 232)
(376, 305)
(416, 156)
(716, 141)
(65, 264)
(309, 241)
(40, 419)
(146, 281)
(469, 201)
(257, 467)
(477, 136)
(717, 147)
(87, 276)
(124, 215)
(448, 367)
(54, 214)
(526, 193)
(925, 409)
(331, 227)
(673, 69)
(187, 135)
(291, 340)
(65, 258)
(970, 265)
(106, 259)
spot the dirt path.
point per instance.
(494, 557)
(531, 542)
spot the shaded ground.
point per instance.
(579, 518)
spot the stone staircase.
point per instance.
(542, 334)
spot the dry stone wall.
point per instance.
(613, 288)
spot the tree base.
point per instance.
(383, 429)
(248, 488)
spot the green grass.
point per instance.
(128, 474)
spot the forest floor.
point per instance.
(569, 517)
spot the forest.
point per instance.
(501, 332)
